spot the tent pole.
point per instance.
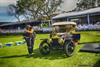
(88, 18)
(67, 19)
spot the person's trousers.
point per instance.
(30, 44)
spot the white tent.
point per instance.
(89, 11)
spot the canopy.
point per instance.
(89, 11)
(63, 23)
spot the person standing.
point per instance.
(29, 36)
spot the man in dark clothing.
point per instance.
(29, 36)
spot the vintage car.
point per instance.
(63, 36)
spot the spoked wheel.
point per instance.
(44, 48)
(69, 48)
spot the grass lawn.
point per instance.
(16, 56)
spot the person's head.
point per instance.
(28, 27)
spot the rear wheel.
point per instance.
(44, 48)
(69, 48)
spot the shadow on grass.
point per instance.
(13, 56)
(59, 54)
(90, 42)
(97, 64)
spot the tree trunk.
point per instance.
(26, 17)
(17, 17)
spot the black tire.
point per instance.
(44, 48)
(69, 48)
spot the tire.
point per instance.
(44, 48)
(69, 48)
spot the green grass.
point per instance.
(16, 56)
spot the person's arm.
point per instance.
(29, 31)
(34, 34)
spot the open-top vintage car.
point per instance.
(63, 36)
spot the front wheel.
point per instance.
(44, 48)
(69, 48)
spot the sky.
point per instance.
(7, 2)
(4, 17)
(68, 5)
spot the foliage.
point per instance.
(37, 9)
(87, 4)
(13, 10)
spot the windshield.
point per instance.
(60, 29)
(64, 28)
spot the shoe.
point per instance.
(30, 55)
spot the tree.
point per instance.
(50, 6)
(13, 10)
(86, 4)
(36, 9)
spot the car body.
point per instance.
(63, 36)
